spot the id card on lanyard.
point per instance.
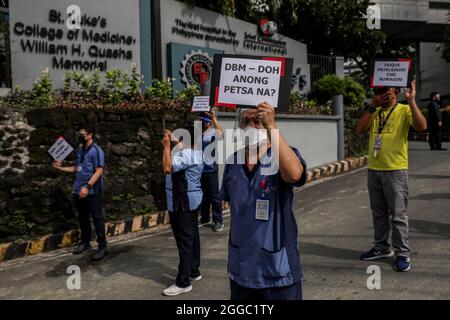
(378, 143)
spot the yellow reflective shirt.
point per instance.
(394, 149)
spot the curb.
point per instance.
(18, 249)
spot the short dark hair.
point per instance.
(433, 94)
(89, 130)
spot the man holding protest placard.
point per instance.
(389, 122)
(87, 191)
(263, 257)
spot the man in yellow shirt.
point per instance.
(388, 122)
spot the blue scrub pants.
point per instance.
(210, 188)
(91, 205)
(292, 292)
(185, 230)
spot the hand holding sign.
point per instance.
(60, 150)
(410, 94)
(247, 81)
(265, 113)
(200, 104)
(393, 73)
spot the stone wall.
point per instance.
(35, 199)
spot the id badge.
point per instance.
(377, 145)
(262, 210)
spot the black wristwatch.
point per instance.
(370, 108)
(89, 186)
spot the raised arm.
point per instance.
(290, 166)
(419, 122)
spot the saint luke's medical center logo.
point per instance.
(196, 68)
(268, 28)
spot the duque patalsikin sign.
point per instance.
(42, 38)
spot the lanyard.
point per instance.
(381, 121)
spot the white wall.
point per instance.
(314, 136)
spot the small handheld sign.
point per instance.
(391, 73)
(60, 150)
(245, 81)
(200, 104)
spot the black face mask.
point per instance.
(81, 140)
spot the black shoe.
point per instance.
(99, 254)
(441, 149)
(81, 248)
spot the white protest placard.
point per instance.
(246, 81)
(60, 150)
(249, 82)
(201, 104)
(391, 74)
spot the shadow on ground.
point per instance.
(430, 228)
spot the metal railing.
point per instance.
(321, 66)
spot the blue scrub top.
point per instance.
(210, 162)
(261, 253)
(86, 162)
(183, 187)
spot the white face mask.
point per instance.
(438, 97)
(253, 137)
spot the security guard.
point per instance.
(87, 190)
(263, 258)
(183, 171)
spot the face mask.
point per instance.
(254, 137)
(438, 97)
(81, 140)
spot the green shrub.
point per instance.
(42, 91)
(161, 89)
(354, 93)
(188, 93)
(134, 83)
(327, 87)
(116, 82)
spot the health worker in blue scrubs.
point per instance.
(183, 168)
(263, 255)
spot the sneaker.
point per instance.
(99, 254)
(374, 254)
(201, 223)
(218, 227)
(175, 290)
(402, 264)
(81, 248)
(197, 278)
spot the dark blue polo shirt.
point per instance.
(262, 250)
(210, 161)
(87, 161)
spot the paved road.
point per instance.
(335, 226)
